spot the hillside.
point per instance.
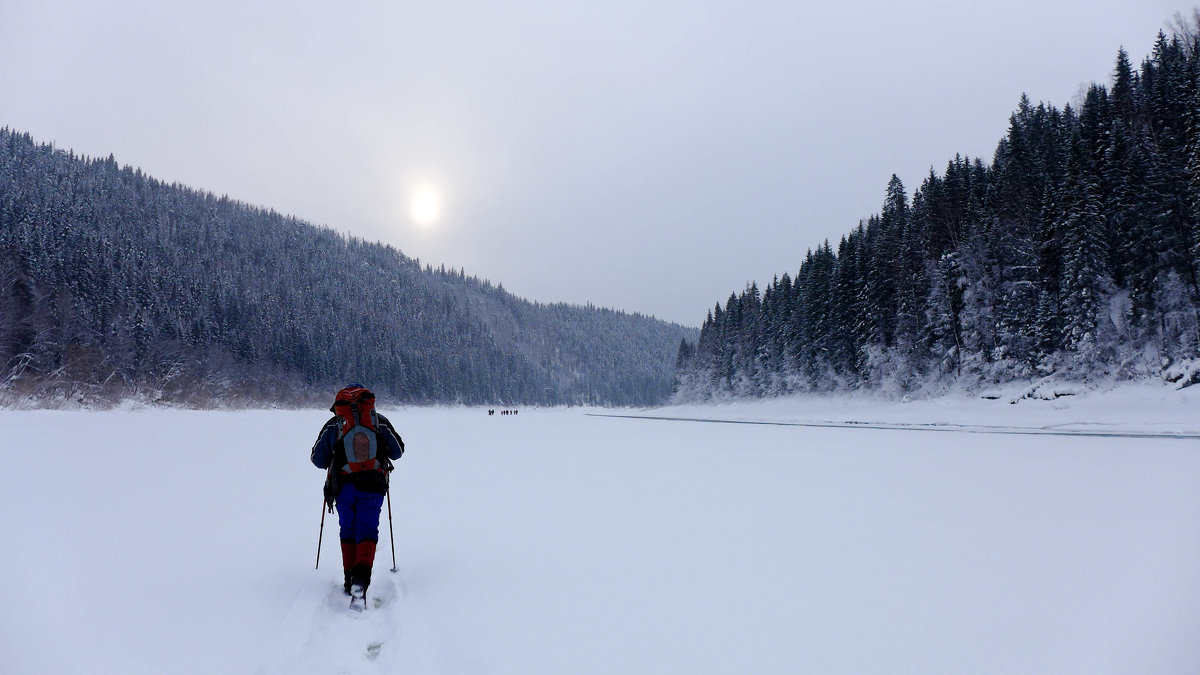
(114, 285)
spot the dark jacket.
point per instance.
(327, 450)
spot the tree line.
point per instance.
(1074, 253)
(115, 285)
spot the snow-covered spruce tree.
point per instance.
(912, 279)
(1193, 170)
(1086, 280)
(944, 316)
(819, 299)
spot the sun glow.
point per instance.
(425, 205)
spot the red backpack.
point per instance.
(356, 408)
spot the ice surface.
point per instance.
(556, 542)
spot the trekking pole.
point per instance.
(391, 533)
(322, 534)
(324, 504)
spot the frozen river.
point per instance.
(556, 541)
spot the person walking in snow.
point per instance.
(356, 447)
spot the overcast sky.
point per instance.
(645, 155)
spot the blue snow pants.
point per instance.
(358, 513)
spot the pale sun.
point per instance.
(425, 205)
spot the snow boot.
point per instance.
(360, 578)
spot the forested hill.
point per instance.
(114, 284)
(1075, 253)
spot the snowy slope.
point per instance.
(160, 541)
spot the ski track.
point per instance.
(321, 634)
(1049, 430)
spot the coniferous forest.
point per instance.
(1073, 254)
(116, 285)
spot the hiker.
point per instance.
(356, 447)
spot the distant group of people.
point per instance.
(503, 412)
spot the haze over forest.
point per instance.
(115, 285)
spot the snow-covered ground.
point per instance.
(1135, 408)
(554, 541)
